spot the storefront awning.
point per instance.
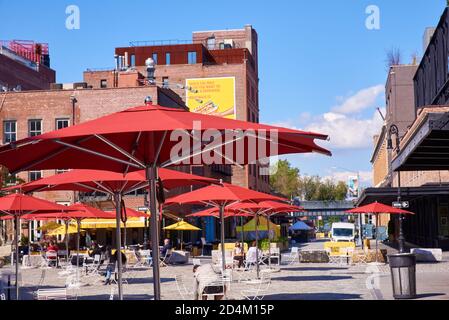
(426, 147)
(389, 195)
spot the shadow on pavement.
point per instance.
(316, 269)
(312, 296)
(312, 278)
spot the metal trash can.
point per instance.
(403, 275)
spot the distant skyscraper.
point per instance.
(428, 34)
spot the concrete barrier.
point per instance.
(428, 255)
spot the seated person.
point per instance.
(52, 248)
(238, 254)
(205, 276)
(253, 253)
(166, 248)
(112, 264)
(95, 250)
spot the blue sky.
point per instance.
(320, 67)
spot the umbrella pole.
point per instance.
(269, 242)
(17, 256)
(151, 175)
(78, 223)
(257, 246)
(66, 242)
(124, 235)
(222, 239)
(377, 236)
(242, 234)
(118, 209)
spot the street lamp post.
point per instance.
(394, 130)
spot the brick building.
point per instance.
(417, 170)
(25, 65)
(210, 54)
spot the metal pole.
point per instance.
(377, 237)
(17, 256)
(269, 242)
(151, 175)
(242, 234)
(124, 235)
(118, 243)
(360, 232)
(401, 238)
(222, 238)
(66, 242)
(257, 245)
(78, 222)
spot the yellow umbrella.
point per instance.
(50, 226)
(182, 226)
(60, 231)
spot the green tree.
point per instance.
(309, 187)
(341, 191)
(285, 180)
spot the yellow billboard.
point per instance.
(212, 96)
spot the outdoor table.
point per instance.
(33, 261)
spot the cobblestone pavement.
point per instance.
(292, 282)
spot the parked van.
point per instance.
(343, 232)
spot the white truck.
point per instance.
(343, 232)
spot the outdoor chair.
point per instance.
(336, 257)
(165, 260)
(52, 258)
(203, 243)
(229, 260)
(144, 260)
(219, 282)
(260, 287)
(196, 262)
(92, 269)
(182, 290)
(276, 255)
(293, 256)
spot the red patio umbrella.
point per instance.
(377, 208)
(115, 184)
(152, 137)
(17, 205)
(265, 208)
(221, 197)
(79, 212)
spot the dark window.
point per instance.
(167, 58)
(211, 43)
(34, 175)
(9, 131)
(191, 57)
(103, 83)
(34, 127)
(155, 58)
(62, 123)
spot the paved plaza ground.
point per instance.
(293, 282)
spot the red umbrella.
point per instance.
(266, 208)
(114, 184)
(222, 196)
(17, 205)
(151, 137)
(377, 208)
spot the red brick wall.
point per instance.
(13, 73)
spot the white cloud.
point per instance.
(360, 101)
(347, 132)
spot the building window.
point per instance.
(34, 127)
(211, 43)
(165, 82)
(9, 131)
(168, 58)
(133, 60)
(191, 57)
(103, 83)
(59, 171)
(34, 175)
(155, 58)
(62, 123)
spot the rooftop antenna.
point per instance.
(380, 112)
